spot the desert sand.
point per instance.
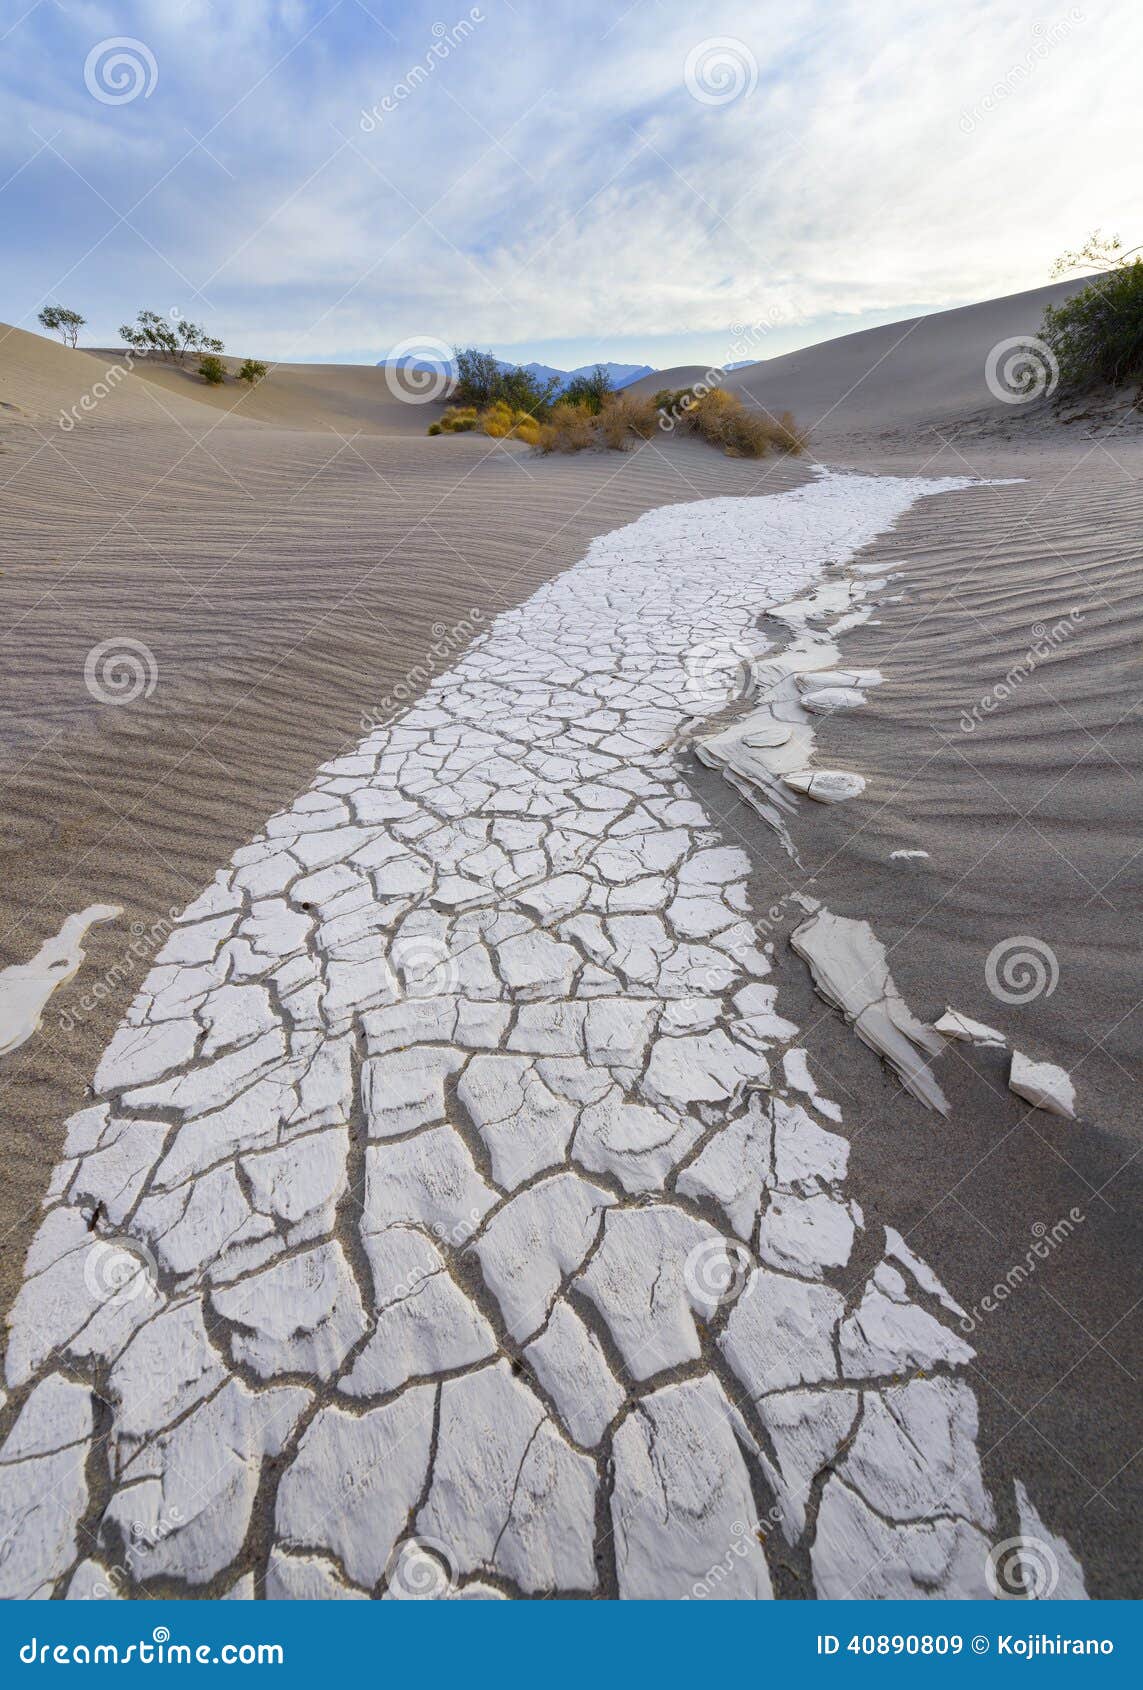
(290, 565)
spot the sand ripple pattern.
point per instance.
(519, 1274)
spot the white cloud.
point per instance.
(553, 179)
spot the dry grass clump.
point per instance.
(625, 419)
(569, 428)
(619, 424)
(501, 422)
(742, 431)
(498, 420)
(458, 419)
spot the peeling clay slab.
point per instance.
(850, 970)
(455, 1156)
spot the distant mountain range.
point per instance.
(622, 375)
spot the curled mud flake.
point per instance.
(301, 1315)
(823, 701)
(43, 1488)
(827, 786)
(954, 1025)
(1043, 1084)
(856, 1553)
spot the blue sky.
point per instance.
(650, 182)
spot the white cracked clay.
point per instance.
(455, 1211)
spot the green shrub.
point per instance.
(1097, 334)
(590, 390)
(212, 370)
(252, 371)
(481, 380)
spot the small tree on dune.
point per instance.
(171, 340)
(57, 319)
(252, 371)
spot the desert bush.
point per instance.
(212, 370)
(624, 420)
(481, 380)
(252, 371)
(57, 319)
(476, 375)
(571, 425)
(592, 390)
(721, 418)
(1097, 334)
(501, 422)
(496, 421)
(171, 340)
(458, 419)
(569, 428)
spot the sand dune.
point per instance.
(345, 398)
(43, 382)
(918, 374)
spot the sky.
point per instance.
(654, 182)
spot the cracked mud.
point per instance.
(456, 1206)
